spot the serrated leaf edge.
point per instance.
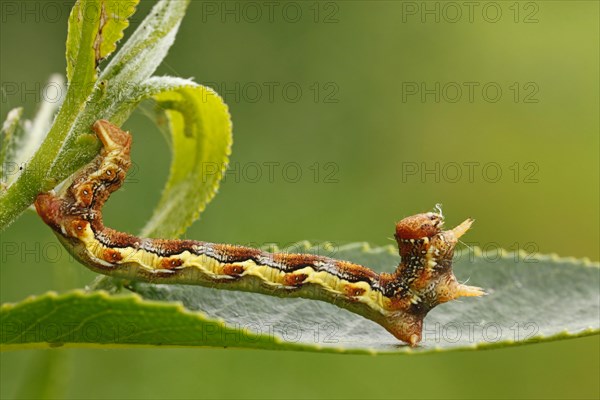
(278, 342)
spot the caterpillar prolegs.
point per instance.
(398, 301)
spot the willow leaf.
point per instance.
(108, 18)
(532, 299)
(10, 141)
(115, 19)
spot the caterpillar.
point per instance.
(398, 301)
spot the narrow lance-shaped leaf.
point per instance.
(82, 34)
(112, 20)
(42, 122)
(10, 139)
(528, 302)
(148, 45)
(21, 139)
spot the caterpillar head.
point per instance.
(424, 277)
(419, 226)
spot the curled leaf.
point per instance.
(200, 126)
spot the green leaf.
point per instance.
(82, 34)
(114, 20)
(148, 46)
(531, 300)
(10, 142)
(200, 126)
(121, 87)
(108, 18)
(79, 318)
(20, 138)
(74, 38)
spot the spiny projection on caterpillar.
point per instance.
(398, 301)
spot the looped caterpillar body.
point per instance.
(398, 301)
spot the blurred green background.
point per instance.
(359, 123)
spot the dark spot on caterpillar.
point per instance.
(353, 291)
(111, 255)
(294, 279)
(418, 308)
(78, 227)
(233, 270)
(85, 194)
(170, 263)
(112, 176)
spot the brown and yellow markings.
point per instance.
(84, 194)
(293, 262)
(170, 263)
(355, 272)
(112, 255)
(423, 279)
(233, 253)
(294, 279)
(77, 227)
(353, 290)
(233, 270)
(399, 301)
